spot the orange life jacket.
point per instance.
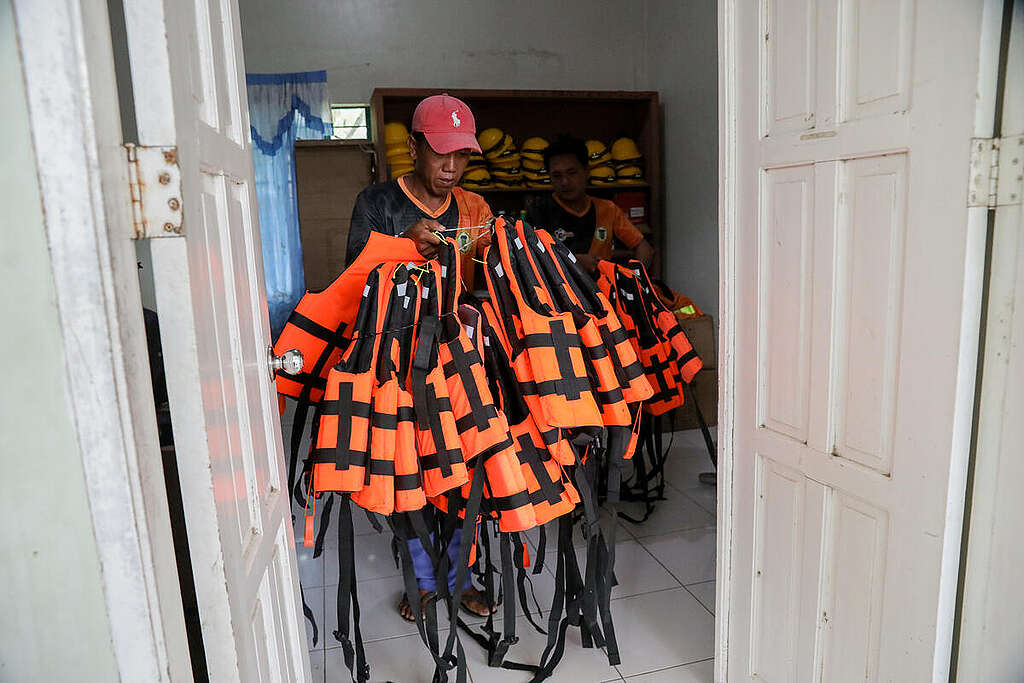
(549, 339)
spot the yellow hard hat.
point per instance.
(476, 177)
(502, 150)
(508, 184)
(493, 142)
(532, 164)
(597, 153)
(476, 160)
(533, 148)
(507, 160)
(506, 173)
(395, 132)
(630, 175)
(602, 175)
(625, 152)
(535, 175)
(397, 152)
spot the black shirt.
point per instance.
(577, 232)
(390, 209)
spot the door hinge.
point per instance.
(154, 178)
(996, 172)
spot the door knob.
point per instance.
(289, 362)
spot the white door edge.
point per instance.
(76, 133)
(726, 325)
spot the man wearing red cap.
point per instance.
(415, 206)
(428, 199)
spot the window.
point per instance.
(351, 121)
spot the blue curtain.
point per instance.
(283, 108)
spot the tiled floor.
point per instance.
(663, 606)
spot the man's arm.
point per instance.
(628, 234)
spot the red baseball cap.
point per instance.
(447, 123)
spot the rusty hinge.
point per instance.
(996, 171)
(155, 181)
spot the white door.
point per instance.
(849, 256)
(188, 81)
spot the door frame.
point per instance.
(727, 203)
(68, 67)
(970, 331)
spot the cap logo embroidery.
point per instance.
(455, 119)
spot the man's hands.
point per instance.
(422, 233)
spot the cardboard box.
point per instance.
(705, 388)
(701, 333)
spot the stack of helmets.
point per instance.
(627, 160)
(599, 163)
(476, 176)
(504, 161)
(534, 172)
(396, 140)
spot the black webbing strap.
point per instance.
(508, 593)
(542, 547)
(355, 657)
(557, 625)
(618, 441)
(522, 581)
(307, 611)
(325, 519)
(586, 481)
(426, 350)
(472, 509)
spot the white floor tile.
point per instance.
(577, 665)
(662, 629)
(698, 672)
(705, 593)
(703, 495)
(311, 570)
(676, 513)
(689, 555)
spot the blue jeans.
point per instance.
(424, 569)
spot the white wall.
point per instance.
(683, 66)
(54, 625)
(364, 44)
(664, 45)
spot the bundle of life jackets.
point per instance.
(500, 415)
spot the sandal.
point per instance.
(405, 609)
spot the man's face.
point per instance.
(438, 172)
(568, 177)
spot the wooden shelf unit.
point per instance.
(587, 114)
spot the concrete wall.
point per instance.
(664, 45)
(54, 625)
(683, 67)
(363, 44)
